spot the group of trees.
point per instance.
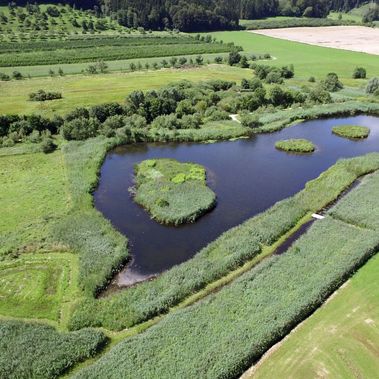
(256, 9)
(185, 15)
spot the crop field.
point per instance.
(129, 51)
(338, 341)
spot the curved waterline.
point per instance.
(247, 175)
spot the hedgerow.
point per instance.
(31, 350)
(229, 251)
(258, 309)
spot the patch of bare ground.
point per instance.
(354, 38)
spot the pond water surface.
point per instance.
(248, 176)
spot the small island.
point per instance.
(171, 191)
(296, 146)
(351, 131)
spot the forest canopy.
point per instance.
(204, 15)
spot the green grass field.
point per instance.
(339, 341)
(102, 88)
(33, 193)
(308, 60)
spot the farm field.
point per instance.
(339, 340)
(176, 205)
(354, 38)
(308, 60)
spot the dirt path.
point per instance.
(354, 38)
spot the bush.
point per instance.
(312, 79)
(170, 121)
(332, 83)
(274, 77)
(41, 95)
(80, 128)
(4, 77)
(249, 120)
(319, 95)
(48, 145)
(215, 114)
(359, 73)
(372, 86)
(234, 58)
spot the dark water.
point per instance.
(247, 175)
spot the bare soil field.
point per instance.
(355, 38)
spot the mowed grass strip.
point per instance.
(33, 193)
(34, 286)
(98, 89)
(339, 341)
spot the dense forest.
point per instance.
(202, 15)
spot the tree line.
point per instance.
(203, 15)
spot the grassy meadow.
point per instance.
(34, 193)
(339, 340)
(308, 60)
(90, 90)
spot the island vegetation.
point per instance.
(351, 131)
(296, 146)
(171, 191)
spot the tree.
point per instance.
(332, 83)
(359, 73)
(234, 58)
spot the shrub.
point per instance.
(170, 121)
(215, 114)
(48, 145)
(249, 120)
(274, 77)
(359, 73)
(234, 58)
(17, 75)
(312, 79)
(332, 83)
(41, 95)
(4, 77)
(372, 85)
(319, 95)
